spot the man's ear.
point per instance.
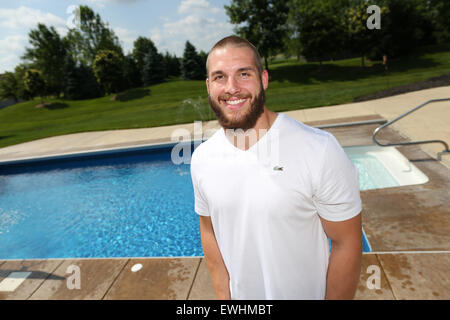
(265, 79)
(207, 85)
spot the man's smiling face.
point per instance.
(235, 87)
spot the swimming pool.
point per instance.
(124, 203)
(383, 167)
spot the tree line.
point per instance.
(321, 30)
(89, 62)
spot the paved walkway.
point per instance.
(401, 276)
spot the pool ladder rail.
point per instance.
(377, 130)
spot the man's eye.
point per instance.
(244, 74)
(218, 78)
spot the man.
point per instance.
(265, 216)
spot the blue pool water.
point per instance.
(133, 204)
(372, 173)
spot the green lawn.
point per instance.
(293, 85)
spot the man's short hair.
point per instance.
(237, 42)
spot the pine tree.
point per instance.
(141, 47)
(172, 65)
(79, 81)
(89, 87)
(70, 76)
(154, 70)
(203, 57)
(131, 73)
(192, 68)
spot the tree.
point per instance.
(191, 67)
(141, 47)
(91, 36)
(131, 73)
(203, 57)
(9, 87)
(154, 70)
(403, 28)
(264, 23)
(292, 40)
(440, 16)
(90, 88)
(34, 83)
(361, 39)
(108, 70)
(400, 35)
(79, 81)
(71, 84)
(320, 27)
(173, 67)
(46, 54)
(19, 73)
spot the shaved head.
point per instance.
(237, 42)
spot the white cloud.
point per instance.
(8, 62)
(17, 23)
(196, 7)
(98, 3)
(12, 43)
(24, 17)
(11, 48)
(126, 38)
(201, 27)
(102, 3)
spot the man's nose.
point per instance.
(232, 86)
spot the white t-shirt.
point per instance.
(265, 204)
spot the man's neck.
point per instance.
(262, 125)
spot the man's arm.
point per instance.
(214, 260)
(344, 266)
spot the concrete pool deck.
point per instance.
(408, 227)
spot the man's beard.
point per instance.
(245, 121)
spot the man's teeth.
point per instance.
(235, 101)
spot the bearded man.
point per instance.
(269, 191)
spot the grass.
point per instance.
(293, 85)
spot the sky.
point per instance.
(169, 23)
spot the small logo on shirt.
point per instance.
(277, 168)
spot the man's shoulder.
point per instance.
(207, 147)
(303, 132)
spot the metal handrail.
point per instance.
(349, 124)
(377, 130)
